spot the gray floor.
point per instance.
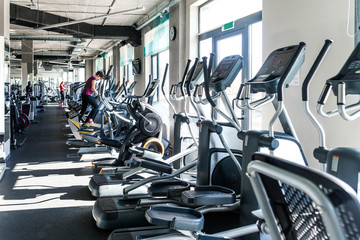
(44, 193)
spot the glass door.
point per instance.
(227, 45)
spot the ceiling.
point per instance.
(82, 40)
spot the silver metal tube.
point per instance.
(260, 102)
(89, 19)
(121, 117)
(238, 128)
(321, 112)
(195, 107)
(341, 97)
(222, 139)
(189, 127)
(228, 107)
(170, 103)
(237, 232)
(240, 105)
(273, 119)
(231, 154)
(346, 116)
(247, 91)
(317, 125)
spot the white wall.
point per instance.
(287, 22)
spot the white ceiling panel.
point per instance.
(78, 10)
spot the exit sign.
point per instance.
(228, 26)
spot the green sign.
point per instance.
(228, 26)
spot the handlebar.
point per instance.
(184, 77)
(207, 78)
(193, 69)
(314, 68)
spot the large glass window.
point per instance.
(126, 56)
(158, 64)
(256, 62)
(227, 46)
(218, 12)
(243, 37)
(163, 60)
(126, 73)
(205, 47)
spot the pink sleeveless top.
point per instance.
(87, 88)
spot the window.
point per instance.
(126, 73)
(100, 64)
(243, 37)
(205, 47)
(126, 56)
(158, 63)
(215, 13)
(256, 62)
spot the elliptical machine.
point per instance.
(147, 131)
(342, 162)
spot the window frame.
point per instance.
(156, 55)
(357, 22)
(241, 26)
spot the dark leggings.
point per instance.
(86, 100)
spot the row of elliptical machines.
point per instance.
(209, 196)
(296, 201)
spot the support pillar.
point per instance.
(89, 69)
(4, 77)
(141, 79)
(177, 52)
(27, 62)
(357, 22)
(116, 63)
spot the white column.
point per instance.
(4, 71)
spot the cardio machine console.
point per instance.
(275, 66)
(225, 72)
(349, 74)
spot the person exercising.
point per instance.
(28, 89)
(62, 92)
(87, 97)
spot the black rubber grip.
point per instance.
(320, 153)
(268, 142)
(156, 166)
(196, 90)
(207, 82)
(164, 78)
(314, 68)
(184, 77)
(191, 76)
(325, 93)
(211, 64)
(240, 91)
